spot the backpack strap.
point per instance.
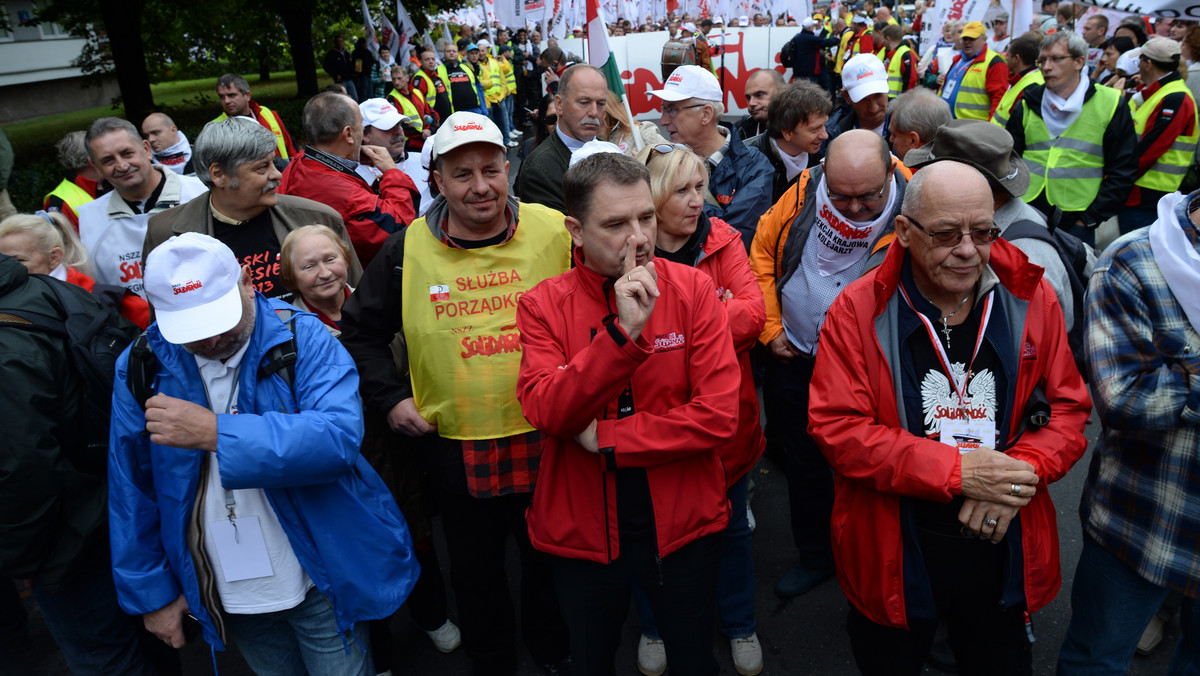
(141, 369)
(282, 358)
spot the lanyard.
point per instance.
(960, 390)
(230, 409)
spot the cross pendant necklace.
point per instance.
(945, 320)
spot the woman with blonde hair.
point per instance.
(618, 130)
(678, 182)
(46, 244)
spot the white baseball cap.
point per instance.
(860, 18)
(192, 282)
(688, 82)
(743, 20)
(593, 147)
(1128, 62)
(718, 19)
(808, 22)
(463, 128)
(689, 26)
(381, 114)
(863, 75)
(484, 44)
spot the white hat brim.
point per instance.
(203, 321)
(860, 92)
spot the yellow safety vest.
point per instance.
(445, 78)
(1166, 174)
(408, 109)
(843, 54)
(895, 80)
(1004, 110)
(430, 90)
(494, 88)
(460, 322)
(973, 102)
(1070, 167)
(510, 77)
(71, 194)
(272, 124)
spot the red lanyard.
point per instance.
(961, 391)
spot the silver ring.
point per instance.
(1016, 490)
(991, 523)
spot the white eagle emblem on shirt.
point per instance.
(938, 397)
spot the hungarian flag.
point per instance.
(599, 55)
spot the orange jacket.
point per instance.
(766, 252)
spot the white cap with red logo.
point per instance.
(863, 75)
(192, 282)
(688, 82)
(462, 128)
(381, 114)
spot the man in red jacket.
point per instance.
(326, 171)
(929, 372)
(628, 368)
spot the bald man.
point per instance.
(169, 145)
(760, 87)
(817, 239)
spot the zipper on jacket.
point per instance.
(205, 577)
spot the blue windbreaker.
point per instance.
(341, 521)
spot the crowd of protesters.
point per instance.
(895, 253)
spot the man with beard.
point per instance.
(232, 486)
(113, 226)
(327, 171)
(581, 99)
(170, 146)
(234, 159)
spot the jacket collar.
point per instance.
(168, 197)
(1007, 266)
(594, 284)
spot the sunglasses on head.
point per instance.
(663, 149)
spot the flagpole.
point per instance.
(633, 125)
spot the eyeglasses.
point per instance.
(663, 149)
(671, 111)
(865, 198)
(951, 238)
(1053, 59)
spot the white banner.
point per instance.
(639, 57)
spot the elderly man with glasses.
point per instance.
(946, 399)
(740, 178)
(814, 242)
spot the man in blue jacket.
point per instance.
(238, 495)
(740, 178)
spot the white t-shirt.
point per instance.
(113, 234)
(288, 584)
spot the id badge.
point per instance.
(968, 435)
(241, 548)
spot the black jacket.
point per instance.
(540, 179)
(1120, 161)
(337, 64)
(762, 143)
(842, 120)
(808, 53)
(53, 516)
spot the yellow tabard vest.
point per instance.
(1070, 167)
(408, 109)
(510, 78)
(850, 42)
(272, 124)
(1167, 173)
(430, 91)
(973, 101)
(497, 90)
(70, 193)
(1004, 109)
(895, 84)
(460, 322)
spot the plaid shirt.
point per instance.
(1142, 497)
(507, 465)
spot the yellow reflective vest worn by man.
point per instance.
(1164, 117)
(1078, 140)
(977, 78)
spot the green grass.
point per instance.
(191, 103)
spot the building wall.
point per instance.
(36, 75)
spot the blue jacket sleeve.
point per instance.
(315, 440)
(748, 185)
(141, 570)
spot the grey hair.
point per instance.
(956, 24)
(229, 144)
(326, 115)
(914, 192)
(234, 80)
(717, 106)
(919, 110)
(107, 125)
(1076, 46)
(72, 150)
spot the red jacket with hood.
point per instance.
(855, 419)
(576, 360)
